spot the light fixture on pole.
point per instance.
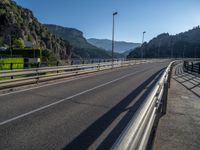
(113, 37)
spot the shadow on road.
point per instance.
(189, 81)
(89, 135)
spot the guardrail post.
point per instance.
(38, 65)
(164, 98)
(99, 66)
(57, 65)
(199, 69)
(76, 70)
(185, 66)
(38, 76)
(192, 67)
(11, 68)
(169, 77)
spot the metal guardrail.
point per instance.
(137, 134)
(191, 66)
(19, 77)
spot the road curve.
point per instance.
(86, 113)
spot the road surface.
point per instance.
(86, 113)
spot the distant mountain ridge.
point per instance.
(120, 46)
(81, 47)
(185, 44)
(74, 36)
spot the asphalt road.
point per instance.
(85, 113)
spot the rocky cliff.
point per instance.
(17, 22)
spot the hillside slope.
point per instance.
(120, 46)
(81, 48)
(19, 22)
(186, 44)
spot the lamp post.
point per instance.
(184, 51)
(113, 37)
(159, 48)
(172, 47)
(142, 44)
(10, 44)
(195, 53)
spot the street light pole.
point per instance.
(10, 44)
(172, 48)
(142, 44)
(184, 51)
(195, 53)
(159, 48)
(113, 37)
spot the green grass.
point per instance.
(5, 63)
(4, 78)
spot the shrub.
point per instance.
(19, 43)
(2, 11)
(30, 37)
(1, 41)
(49, 57)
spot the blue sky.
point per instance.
(94, 17)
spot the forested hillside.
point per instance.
(186, 44)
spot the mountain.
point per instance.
(185, 44)
(19, 23)
(74, 36)
(81, 48)
(120, 46)
(126, 53)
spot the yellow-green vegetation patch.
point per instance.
(14, 63)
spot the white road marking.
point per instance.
(70, 97)
(49, 84)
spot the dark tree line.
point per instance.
(185, 44)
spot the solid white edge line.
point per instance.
(70, 97)
(49, 84)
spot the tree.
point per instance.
(19, 43)
(1, 41)
(2, 11)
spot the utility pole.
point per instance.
(142, 54)
(113, 37)
(184, 51)
(159, 48)
(195, 52)
(172, 48)
(10, 44)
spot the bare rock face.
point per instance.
(5, 2)
(81, 48)
(21, 23)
